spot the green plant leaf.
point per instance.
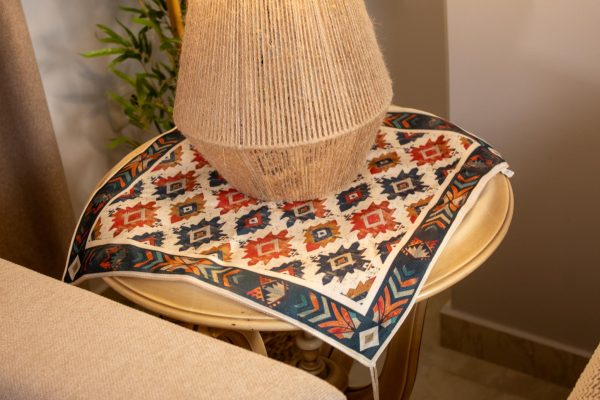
(123, 57)
(112, 36)
(131, 10)
(145, 22)
(123, 76)
(122, 140)
(141, 88)
(120, 100)
(130, 34)
(147, 39)
(104, 52)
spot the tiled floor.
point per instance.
(446, 374)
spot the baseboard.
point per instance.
(511, 348)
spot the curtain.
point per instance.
(36, 217)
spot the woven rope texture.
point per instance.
(283, 97)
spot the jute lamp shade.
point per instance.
(283, 97)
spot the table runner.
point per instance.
(345, 268)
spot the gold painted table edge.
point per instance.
(475, 239)
(478, 236)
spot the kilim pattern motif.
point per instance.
(345, 267)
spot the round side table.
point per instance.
(479, 234)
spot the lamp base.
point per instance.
(295, 173)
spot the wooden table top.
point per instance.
(476, 238)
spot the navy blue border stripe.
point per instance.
(341, 323)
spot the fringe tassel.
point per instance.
(374, 381)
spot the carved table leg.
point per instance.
(250, 340)
(311, 361)
(399, 372)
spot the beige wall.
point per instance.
(525, 74)
(412, 34)
(83, 118)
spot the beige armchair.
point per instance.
(62, 342)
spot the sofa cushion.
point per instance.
(62, 342)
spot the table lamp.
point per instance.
(283, 97)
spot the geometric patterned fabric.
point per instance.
(346, 267)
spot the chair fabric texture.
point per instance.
(588, 384)
(283, 98)
(36, 214)
(62, 342)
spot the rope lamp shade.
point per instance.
(282, 97)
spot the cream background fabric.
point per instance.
(61, 342)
